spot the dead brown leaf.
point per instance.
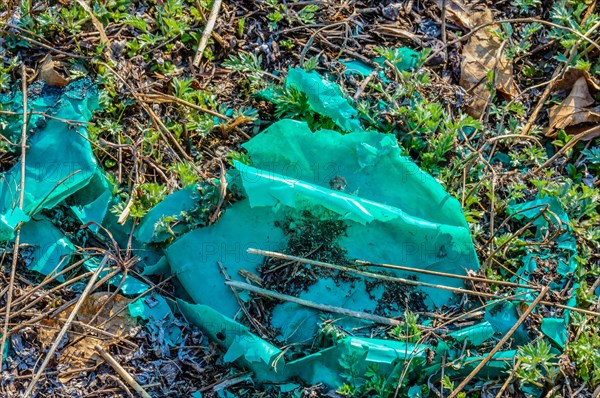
(481, 54)
(79, 352)
(575, 110)
(49, 74)
(569, 78)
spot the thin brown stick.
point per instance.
(63, 331)
(447, 275)
(122, 372)
(594, 131)
(222, 193)
(499, 345)
(500, 393)
(210, 25)
(159, 97)
(417, 283)
(282, 256)
(13, 268)
(311, 304)
(99, 27)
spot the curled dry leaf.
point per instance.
(481, 54)
(575, 112)
(49, 74)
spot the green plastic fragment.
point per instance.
(415, 392)
(530, 210)
(503, 316)
(172, 206)
(357, 67)
(325, 98)
(404, 59)
(567, 245)
(161, 267)
(556, 330)
(50, 249)
(288, 387)
(9, 221)
(193, 257)
(52, 175)
(197, 394)
(475, 335)
(90, 204)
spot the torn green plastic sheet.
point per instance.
(268, 363)
(325, 366)
(556, 329)
(59, 158)
(324, 97)
(91, 204)
(395, 213)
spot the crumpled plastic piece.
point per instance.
(267, 361)
(9, 221)
(325, 98)
(51, 175)
(91, 204)
(404, 59)
(51, 249)
(357, 67)
(529, 210)
(396, 213)
(554, 328)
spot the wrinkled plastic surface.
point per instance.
(395, 212)
(325, 98)
(59, 158)
(50, 249)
